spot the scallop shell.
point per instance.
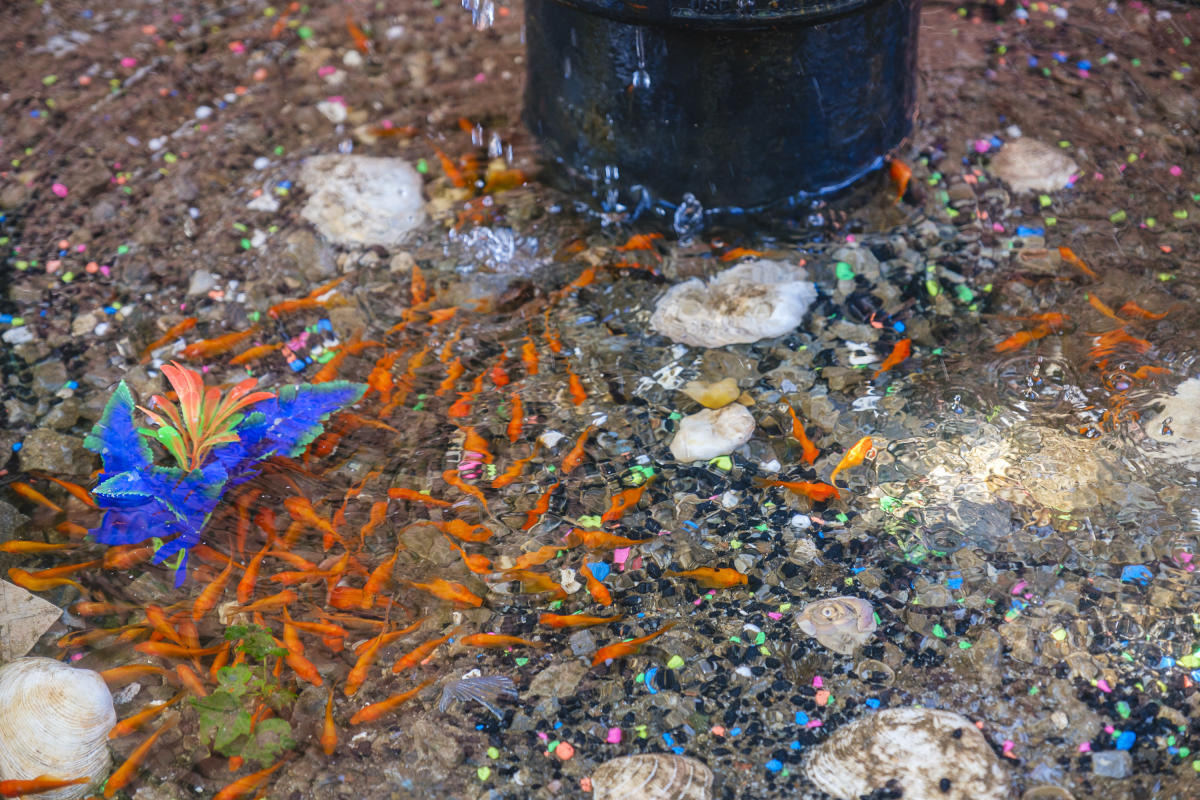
(54, 720)
(840, 623)
(654, 776)
(928, 754)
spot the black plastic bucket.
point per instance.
(741, 103)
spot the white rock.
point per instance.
(916, 747)
(711, 433)
(361, 200)
(334, 112)
(202, 282)
(755, 300)
(24, 617)
(1177, 427)
(1028, 165)
(264, 202)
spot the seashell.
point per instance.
(708, 433)
(54, 720)
(928, 753)
(755, 300)
(839, 623)
(653, 776)
(713, 395)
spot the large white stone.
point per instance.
(362, 200)
(757, 299)
(24, 617)
(712, 432)
(1028, 165)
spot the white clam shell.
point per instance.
(653, 776)
(755, 300)
(840, 623)
(919, 748)
(711, 433)
(54, 720)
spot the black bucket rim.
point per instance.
(726, 15)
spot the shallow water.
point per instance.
(1025, 529)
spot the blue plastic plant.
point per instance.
(216, 443)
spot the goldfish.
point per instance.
(302, 304)
(376, 518)
(387, 637)
(515, 471)
(817, 492)
(94, 609)
(1144, 372)
(303, 667)
(464, 531)
(554, 342)
(329, 737)
(628, 648)
(249, 783)
(119, 779)
(245, 587)
(168, 650)
(575, 620)
(191, 680)
(1068, 255)
(453, 372)
(578, 394)
(65, 569)
(575, 456)
(535, 582)
(217, 346)
(475, 443)
(480, 565)
(419, 289)
(78, 492)
(23, 547)
(1103, 307)
(422, 652)
(596, 589)
(30, 493)
(529, 357)
(317, 628)
(134, 722)
(622, 502)
(42, 783)
(498, 374)
(358, 673)
(599, 540)
(499, 640)
(1022, 338)
(450, 476)
(29, 582)
(219, 662)
(376, 710)
(174, 332)
(212, 593)
(540, 507)
(808, 450)
(1132, 309)
(361, 42)
(733, 254)
(539, 556)
(380, 576)
(274, 601)
(518, 418)
(863, 448)
(254, 354)
(900, 351)
(900, 174)
(157, 617)
(439, 315)
(710, 578)
(68, 528)
(398, 493)
(302, 510)
(449, 590)
(119, 676)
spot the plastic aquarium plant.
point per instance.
(216, 442)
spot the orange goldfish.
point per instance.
(499, 640)
(212, 593)
(42, 783)
(1068, 255)
(254, 354)
(578, 394)
(516, 470)
(541, 507)
(329, 735)
(247, 784)
(464, 531)
(629, 648)
(710, 578)
(575, 457)
(168, 650)
(808, 450)
(622, 502)
(575, 620)
(529, 357)
(422, 652)
(518, 418)
(220, 345)
(376, 518)
(480, 565)
(1103, 307)
(23, 547)
(377, 710)
(78, 492)
(596, 589)
(900, 174)
(30, 493)
(119, 779)
(191, 680)
(477, 444)
(1132, 309)
(119, 676)
(135, 722)
(863, 448)
(174, 332)
(900, 351)
(449, 590)
(498, 374)
(817, 492)
(398, 493)
(450, 476)
(453, 372)
(539, 556)
(534, 582)
(599, 540)
(29, 582)
(733, 254)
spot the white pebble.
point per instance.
(203, 112)
(352, 58)
(262, 162)
(157, 142)
(101, 329)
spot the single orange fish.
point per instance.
(65, 569)
(817, 492)
(808, 450)
(245, 587)
(498, 374)
(629, 648)
(900, 351)
(449, 590)
(497, 640)
(376, 710)
(863, 448)
(540, 508)
(450, 476)
(578, 394)
(1103, 307)
(900, 174)
(517, 423)
(475, 443)
(23, 547)
(448, 348)
(191, 680)
(134, 722)
(68, 528)
(379, 578)
(539, 556)
(575, 457)
(399, 493)
(534, 582)
(1145, 372)
(1020, 339)
(254, 354)
(30, 493)
(596, 589)
(174, 332)
(211, 348)
(454, 371)
(245, 785)
(78, 492)
(274, 601)
(169, 650)
(124, 773)
(710, 578)
(30, 583)
(361, 42)
(329, 737)
(1132, 309)
(376, 518)
(480, 565)
(1068, 255)
(439, 315)
(552, 339)
(422, 652)
(119, 676)
(622, 502)
(464, 531)
(599, 540)
(575, 620)
(302, 510)
(529, 357)
(303, 304)
(420, 290)
(208, 598)
(42, 783)
(93, 609)
(516, 470)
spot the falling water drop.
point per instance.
(641, 78)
